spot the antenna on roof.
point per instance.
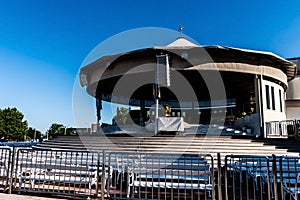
(180, 29)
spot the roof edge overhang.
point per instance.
(263, 58)
(267, 71)
(265, 63)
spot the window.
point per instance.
(280, 100)
(273, 98)
(268, 97)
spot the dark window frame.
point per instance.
(267, 87)
(280, 100)
(273, 98)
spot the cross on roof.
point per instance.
(180, 29)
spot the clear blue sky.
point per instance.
(43, 43)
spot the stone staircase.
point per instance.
(188, 144)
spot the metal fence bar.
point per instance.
(274, 178)
(103, 174)
(5, 172)
(227, 159)
(281, 178)
(10, 166)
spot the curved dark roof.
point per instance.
(218, 54)
(103, 74)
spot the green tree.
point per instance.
(33, 134)
(12, 124)
(59, 129)
(55, 129)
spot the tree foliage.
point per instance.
(55, 129)
(59, 129)
(12, 124)
(32, 134)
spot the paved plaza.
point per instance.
(27, 197)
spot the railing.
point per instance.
(262, 177)
(162, 176)
(124, 175)
(286, 129)
(287, 176)
(5, 165)
(243, 177)
(72, 173)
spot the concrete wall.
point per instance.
(293, 91)
(293, 109)
(293, 113)
(293, 94)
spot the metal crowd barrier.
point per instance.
(5, 165)
(70, 173)
(286, 129)
(262, 177)
(161, 176)
(125, 175)
(247, 177)
(287, 177)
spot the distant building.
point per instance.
(293, 94)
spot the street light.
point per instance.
(47, 133)
(34, 137)
(89, 126)
(65, 132)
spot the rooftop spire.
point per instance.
(181, 40)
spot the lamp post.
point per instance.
(34, 137)
(47, 133)
(66, 127)
(89, 126)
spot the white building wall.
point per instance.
(293, 99)
(293, 91)
(272, 112)
(292, 113)
(293, 94)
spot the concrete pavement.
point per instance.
(26, 197)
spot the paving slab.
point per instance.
(26, 197)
